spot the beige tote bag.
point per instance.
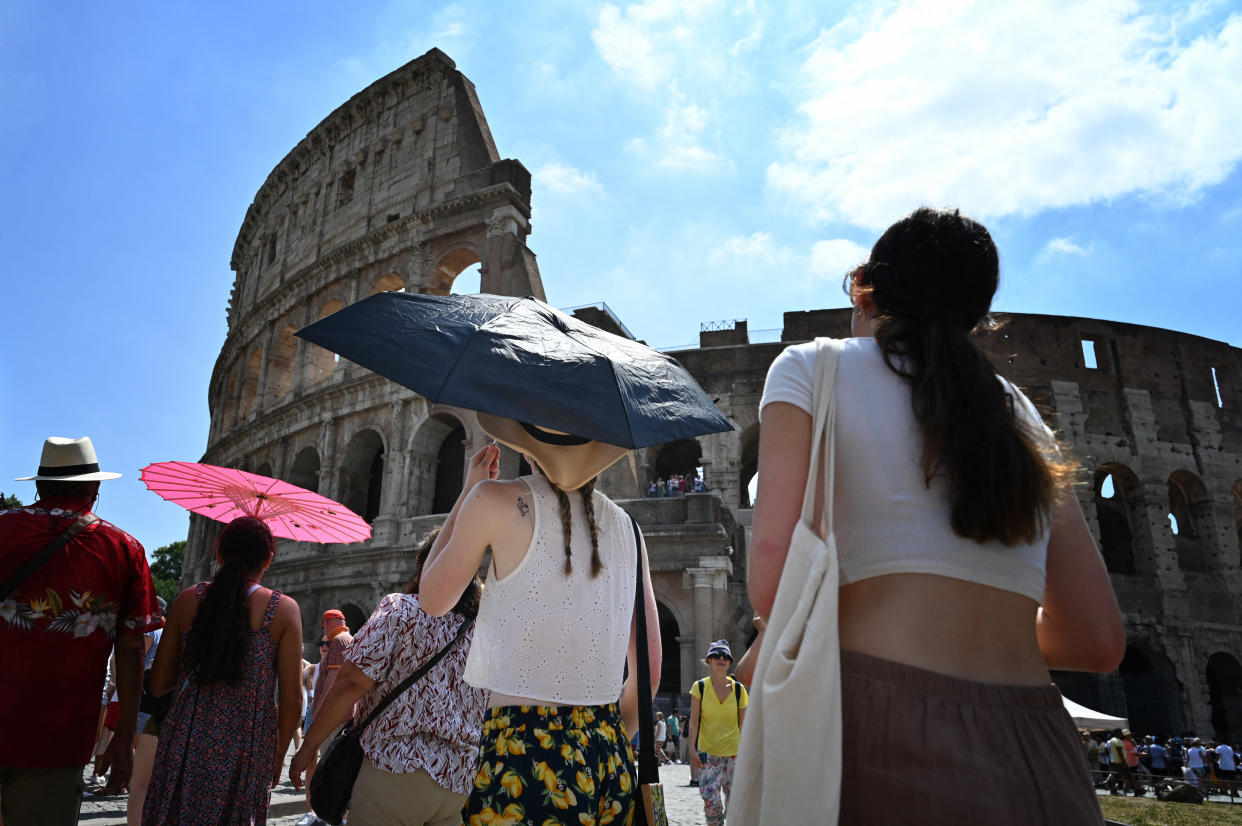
(789, 761)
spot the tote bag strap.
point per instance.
(820, 474)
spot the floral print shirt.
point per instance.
(434, 725)
(58, 627)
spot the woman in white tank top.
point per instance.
(555, 628)
(967, 567)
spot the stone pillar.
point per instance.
(710, 582)
(329, 473)
(261, 401)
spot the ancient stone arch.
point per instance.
(1224, 682)
(450, 265)
(439, 451)
(321, 363)
(250, 384)
(748, 464)
(1237, 514)
(388, 282)
(670, 646)
(281, 365)
(304, 472)
(1116, 496)
(362, 474)
(1190, 520)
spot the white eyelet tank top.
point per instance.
(551, 637)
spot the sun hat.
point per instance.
(68, 460)
(720, 648)
(568, 461)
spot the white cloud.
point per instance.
(677, 56)
(678, 143)
(1010, 109)
(759, 256)
(832, 259)
(566, 180)
(1064, 246)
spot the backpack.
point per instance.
(1178, 791)
(737, 698)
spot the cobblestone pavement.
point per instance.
(685, 808)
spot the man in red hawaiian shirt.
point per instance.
(58, 627)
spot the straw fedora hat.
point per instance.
(568, 461)
(68, 460)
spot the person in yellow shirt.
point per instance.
(717, 708)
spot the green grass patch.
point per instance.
(1146, 811)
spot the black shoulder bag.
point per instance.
(649, 807)
(332, 784)
(35, 562)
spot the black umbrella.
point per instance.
(520, 358)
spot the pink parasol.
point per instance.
(224, 494)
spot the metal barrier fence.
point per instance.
(1210, 786)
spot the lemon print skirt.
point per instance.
(553, 765)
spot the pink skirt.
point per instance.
(923, 748)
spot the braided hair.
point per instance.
(588, 493)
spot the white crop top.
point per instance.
(888, 520)
(556, 638)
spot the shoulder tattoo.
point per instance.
(522, 507)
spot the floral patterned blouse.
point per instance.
(435, 724)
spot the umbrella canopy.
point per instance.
(1092, 720)
(521, 359)
(224, 494)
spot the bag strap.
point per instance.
(415, 677)
(819, 476)
(35, 562)
(648, 768)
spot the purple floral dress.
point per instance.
(217, 750)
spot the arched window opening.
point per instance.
(362, 474)
(305, 470)
(748, 474)
(280, 366)
(450, 468)
(670, 670)
(444, 278)
(264, 469)
(1113, 488)
(1187, 516)
(355, 617)
(1224, 679)
(390, 283)
(230, 402)
(250, 385)
(680, 458)
(1237, 515)
(320, 362)
(1152, 692)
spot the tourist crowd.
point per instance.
(1125, 764)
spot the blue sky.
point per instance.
(693, 162)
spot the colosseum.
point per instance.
(402, 188)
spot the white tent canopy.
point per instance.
(1092, 720)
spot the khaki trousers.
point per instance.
(381, 798)
(40, 797)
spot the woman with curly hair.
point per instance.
(223, 743)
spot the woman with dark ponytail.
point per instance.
(223, 743)
(967, 570)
